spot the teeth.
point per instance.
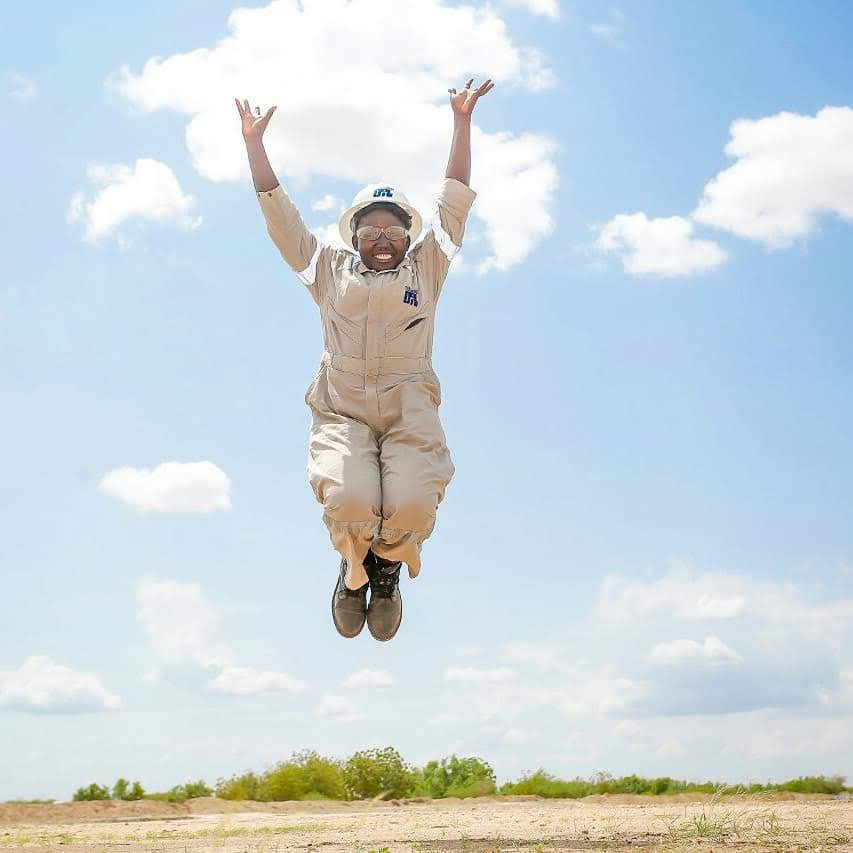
(383, 257)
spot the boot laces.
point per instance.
(384, 580)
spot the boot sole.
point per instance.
(397, 628)
(335, 620)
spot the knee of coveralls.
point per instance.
(411, 514)
(349, 502)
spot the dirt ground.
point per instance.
(483, 825)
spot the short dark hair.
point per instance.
(398, 211)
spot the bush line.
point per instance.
(372, 773)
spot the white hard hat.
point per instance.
(372, 194)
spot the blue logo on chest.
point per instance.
(410, 297)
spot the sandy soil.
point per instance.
(470, 826)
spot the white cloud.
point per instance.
(549, 8)
(329, 235)
(177, 618)
(327, 202)
(516, 737)
(607, 32)
(443, 720)
(611, 30)
(245, 681)
(663, 246)
(781, 652)
(370, 678)
(712, 651)
(796, 647)
(790, 170)
(680, 594)
(546, 657)
(474, 675)
(171, 487)
(24, 88)
(148, 190)
(41, 685)
(626, 728)
(182, 626)
(338, 708)
(469, 651)
(670, 748)
(332, 129)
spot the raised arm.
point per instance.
(459, 163)
(297, 245)
(253, 135)
(443, 240)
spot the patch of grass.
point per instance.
(22, 802)
(215, 833)
(222, 832)
(743, 825)
(24, 839)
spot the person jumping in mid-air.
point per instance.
(378, 461)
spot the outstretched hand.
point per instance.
(463, 102)
(254, 124)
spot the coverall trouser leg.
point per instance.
(380, 491)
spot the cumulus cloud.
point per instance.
(790, 170)
(245, 681)
(370, 678)
(182, 625)
(680, 594)
(148, 191)
(338, 708)
(474, 675)
(170, 487)
(23, 89)
(610, 30)
(664, 246)
(327, 202)
(796, 646)
(40, 685)
(346, 125)
(549, 8)
(712, 651)
(547, 657)
(771, 648)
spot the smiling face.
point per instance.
(381, 254)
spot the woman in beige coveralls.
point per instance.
(378, 459)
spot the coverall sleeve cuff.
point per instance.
(457, 198)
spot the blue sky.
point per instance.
(645, 560)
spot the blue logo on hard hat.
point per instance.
(384, 192)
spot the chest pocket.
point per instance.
(343, 336)
(409, 338)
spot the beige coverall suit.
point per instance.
(378, 461)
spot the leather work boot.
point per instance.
(349, 606)
(385, 611)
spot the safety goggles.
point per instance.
(372, 232)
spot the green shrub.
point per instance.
(323, 777)
(374, 772)
(286, 781)
(92, 792)
(545, 785)
(814, 785)
(124, 790)
(182, 793)
(305, 776)
(456, 777)
(243, 787)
